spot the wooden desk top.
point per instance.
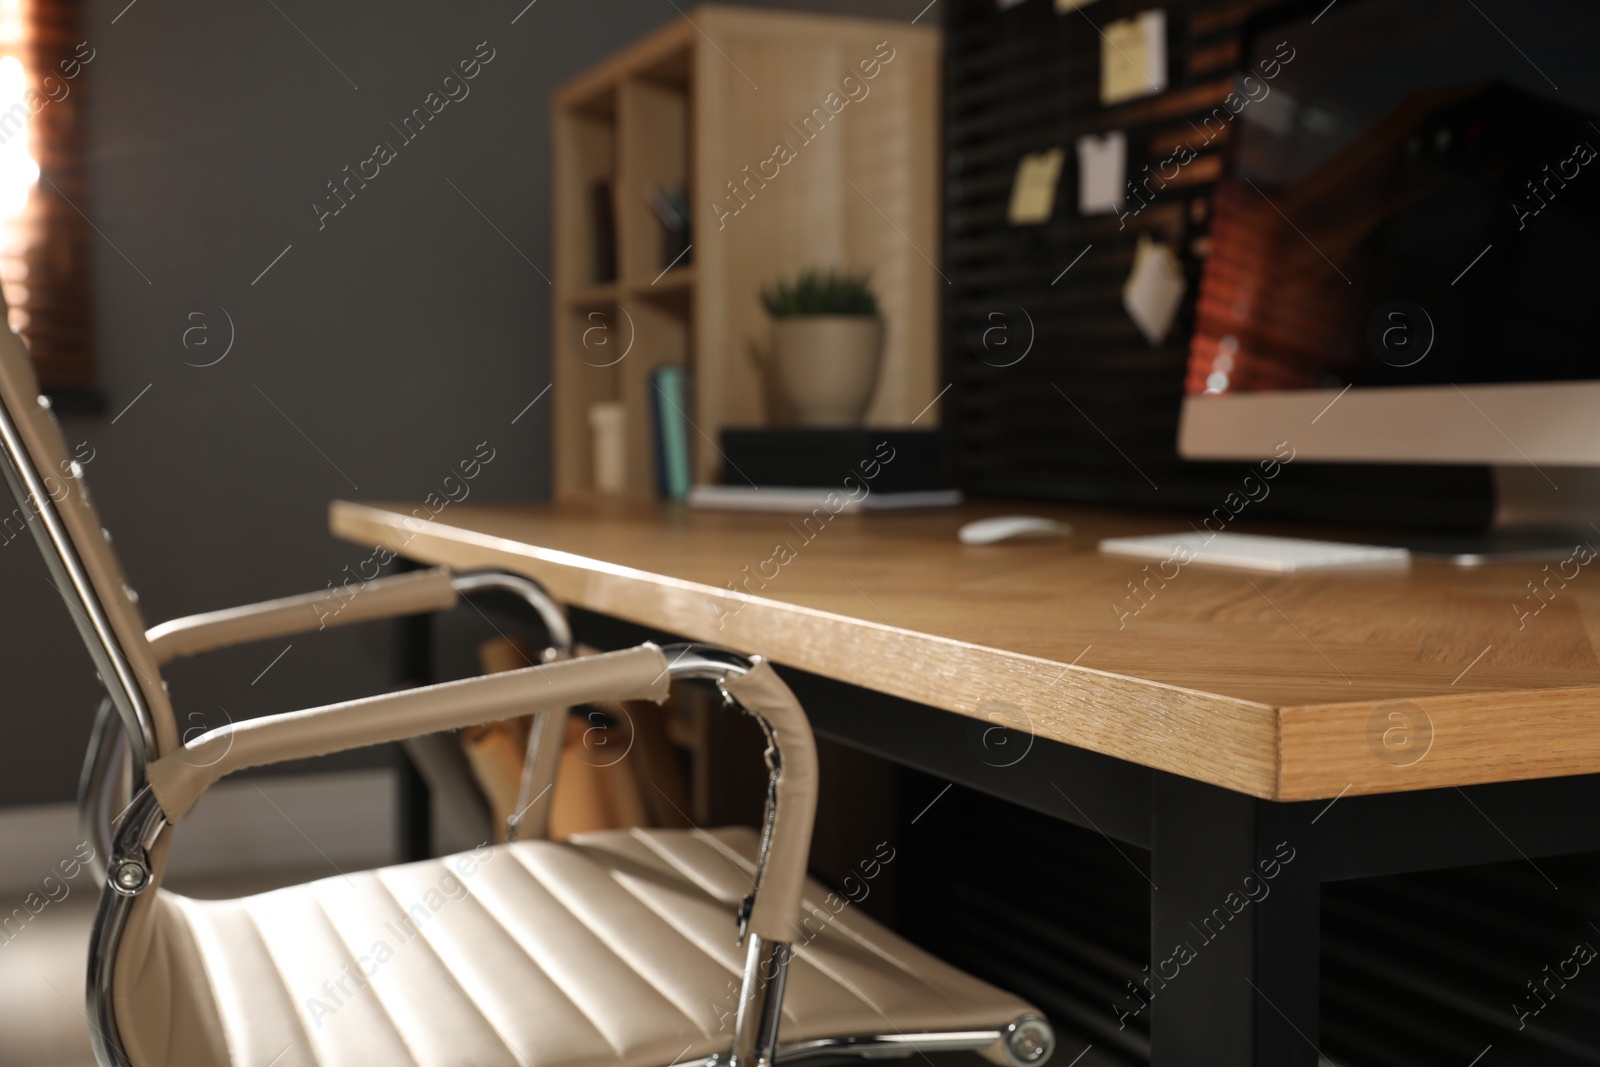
(1289, 688)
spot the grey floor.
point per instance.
(41, 989)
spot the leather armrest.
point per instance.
(179, 778)
(775, 911)
(381, 598)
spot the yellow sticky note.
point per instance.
(1033, 191)
(1133, 57)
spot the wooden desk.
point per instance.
(1286, 688)
(1376, 723)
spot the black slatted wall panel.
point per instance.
(1416, 969)
(1090, 412)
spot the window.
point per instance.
(44, 235)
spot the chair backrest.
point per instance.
(53, 501)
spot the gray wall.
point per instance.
(396, 338)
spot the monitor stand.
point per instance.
(1541, 513)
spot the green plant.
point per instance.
(817, 292)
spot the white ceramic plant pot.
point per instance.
(827, 365)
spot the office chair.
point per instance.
(618, 947)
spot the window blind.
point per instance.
(44, 230)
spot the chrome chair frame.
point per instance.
(1026, 1041)
(71, 580)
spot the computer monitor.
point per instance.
(1404, 255)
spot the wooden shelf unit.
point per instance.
(699, 104)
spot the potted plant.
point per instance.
(827, 345)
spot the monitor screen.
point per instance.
(1409, 199)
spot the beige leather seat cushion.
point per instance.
(617, 948)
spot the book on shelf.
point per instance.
(669, 406)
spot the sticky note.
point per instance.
(1133, 57)
(1154, 289)
(1033, 191)
(1102, 172)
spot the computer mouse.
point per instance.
(1010, 527)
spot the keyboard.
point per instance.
(1252, 552)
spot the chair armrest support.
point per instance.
(380, 598)
(774, 912)
(179, 778)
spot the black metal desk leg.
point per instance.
(1235, 916)
(415, 653)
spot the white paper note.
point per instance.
(1154, 289)
(1102, 172)
(1133, 57)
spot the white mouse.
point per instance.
(1006, 527)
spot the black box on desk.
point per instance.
(895, 460)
